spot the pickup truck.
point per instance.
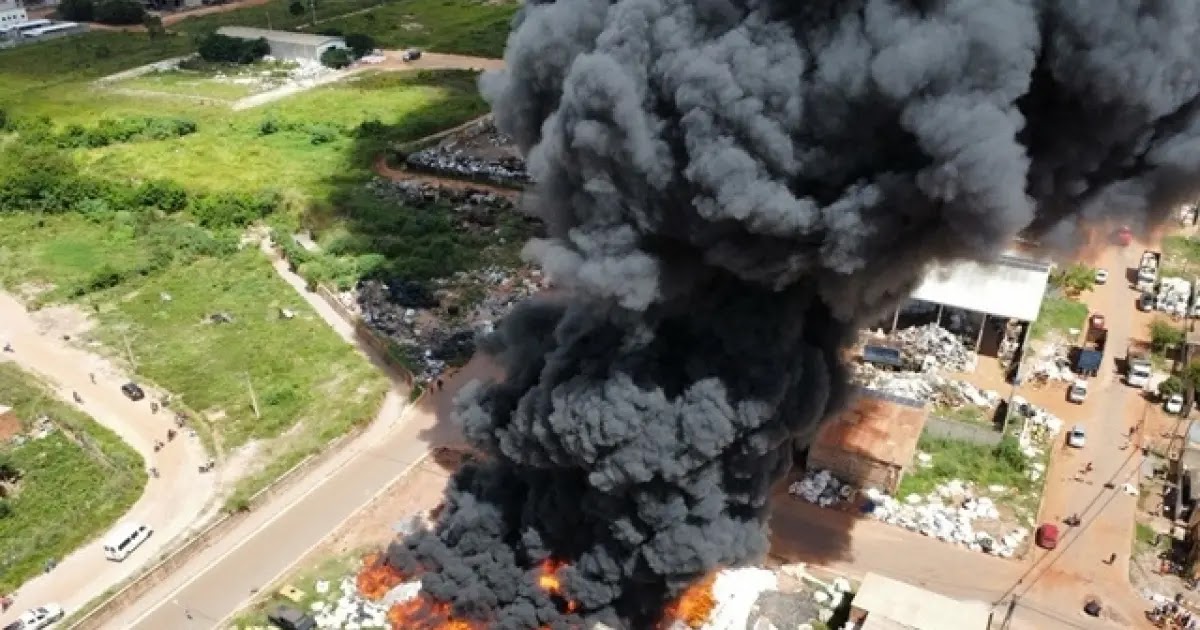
(1137, 366)
(1091, 350)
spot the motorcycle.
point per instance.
(77, 397)
(157, 446)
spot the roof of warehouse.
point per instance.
(288, 37)
(876, 425)
(893, 604)
(1010, 287)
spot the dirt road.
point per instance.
(171, 504)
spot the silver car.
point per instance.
(1076, 438)
(41, 617)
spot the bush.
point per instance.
(360, 44)
(225, 210)
(115, 131)
(268, 127)
(77, 10)
(164, 194)
(5, 508)
(1009, 452)
(41, 178)
(1074, 279)
(321, 133)
(219, 48)
(336, 58)
(1164, 336)
(119, 12)
(296, 8)
(3, 119)
(1171, 386)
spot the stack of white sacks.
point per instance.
(1174, 294)
(949, 513)
(350, 611)
(821, 487)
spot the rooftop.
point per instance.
(883, 427)
(288, 37)
(1011, 286)
(891, 605)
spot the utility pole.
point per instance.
(269, 20)
(1012, 607)
(253, 398)
(312, 6)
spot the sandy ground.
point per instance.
(172, 504)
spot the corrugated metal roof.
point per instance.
(288, 37)
(879, 427)
(891, 604)
(1009, 287)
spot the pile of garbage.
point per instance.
(503, 171)
(420, 194)
(1053, 363)
(822, 488)
(935, 348)
(426, 322)
(950, 514)
(1174, 296)
(1039, 429)
(350, 610)
(924, 386)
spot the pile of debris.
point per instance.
(502, 171)
(924, 386)
(429, 323)
(1039, 429)
(420, 194)
(735, 593)
(935, 348)
(1174, 296)
(1053, 363)
(822, 488)
(350, 610)
(950, 513)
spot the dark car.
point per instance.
(132, 391)
(288, 618)
(412, 54)
(1145, 302)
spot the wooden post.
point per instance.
(895, 319)
(979, 339)
(253, 398)
(939, 317)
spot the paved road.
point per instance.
(170, 504)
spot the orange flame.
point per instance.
(549, 581)
(695, 605)
(376, 577)
(423, 613)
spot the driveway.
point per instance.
(169, 504)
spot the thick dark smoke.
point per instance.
(731, 188)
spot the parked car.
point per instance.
(1047, 536)
(289, 618)
(1078, 391)
(41, 617)
(1076, 437)
(1101, 276)
(412, 54)
(1174, 404)
(124, 539)
(133, 391)
(1145, 301)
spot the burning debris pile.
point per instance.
(935, 348)
(432, 324)
(730, 190)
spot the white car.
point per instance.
(41, 617)
(1174, 404)
(1101, 276)
(1076, 438)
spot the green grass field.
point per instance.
(467, 27)
(75, 482)
(984, 465)
(331, 569)
(1059, 315)
(1181, 256)
(187, 83)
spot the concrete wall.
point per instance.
(954, 430)
(857, 470)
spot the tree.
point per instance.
(336, 58)
(119, 12)
(8, 470)
(220, 48)
(296, 8)
(1164, 336)
(154, 26)
(360, 44)
(1074, 279)
(77, 10)
(1173, 385)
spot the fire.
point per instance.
(376, 577)
(549, 581)
(423, 613)
(695, 604)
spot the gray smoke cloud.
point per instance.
(732, 187)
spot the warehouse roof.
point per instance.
(1009, 287)
(893, 604)
(285, 37)
(879, 426)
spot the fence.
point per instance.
(146, 580)
(954, 430)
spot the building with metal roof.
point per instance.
(286, 44)
(872, 442)
(882, 603)
(1010, 287)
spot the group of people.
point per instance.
(1172, 615)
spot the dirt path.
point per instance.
(171, 504)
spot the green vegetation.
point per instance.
(222, 49)
(1058, 315)
(1164, 335)
(465, 27)
(970, 414)
(1003, 464)
(1146, 537)
(71, 486)
(331, 569)
(1181, 256)
(1073, 279)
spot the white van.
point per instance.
(124, 539)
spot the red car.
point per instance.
(1047, 536)
(1124, 235)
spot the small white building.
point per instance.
(12, 12)
(286, 44)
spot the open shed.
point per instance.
(871, 442)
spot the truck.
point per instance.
(1137, 366)
(1091, 351)
(1147, 272)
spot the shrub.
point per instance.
(41, 178)
(77, 10)
(296, 8)
(164, 194)
(220, 48)
(268, 127)
(1164, 336)
(1009, 452)
(1074, 279)
(322, 133)
(3, 119)
(336, 58)
(224, 210)
(5, 508)
(360, 44)
(119, 12)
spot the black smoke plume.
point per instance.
(731, 187)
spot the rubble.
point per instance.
(349, 610)
(1053, 363)
(934, 347)
(924, 386)
(822, 488)
(950, 513)
(480, 153)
